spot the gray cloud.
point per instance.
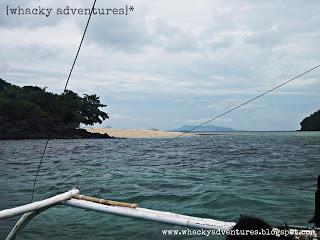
(197, 51)
(125, 34)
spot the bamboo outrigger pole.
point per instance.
(23, 221)
(31, 210)
(152, 215)
(73, 199)
(38, 205)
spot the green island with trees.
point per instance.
(31, 112)
(311, 123)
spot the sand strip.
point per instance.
(136, 133)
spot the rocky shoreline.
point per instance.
(68, 134)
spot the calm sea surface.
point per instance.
(269, 175)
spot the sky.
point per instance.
(173, 63)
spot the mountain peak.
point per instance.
(205, 128)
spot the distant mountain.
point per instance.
(206, 128)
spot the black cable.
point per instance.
(84, 33)
(65, 89)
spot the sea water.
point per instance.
(271, 175)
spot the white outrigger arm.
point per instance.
(73, 199)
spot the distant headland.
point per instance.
(311, 123)
(33, 113)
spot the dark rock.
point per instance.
(311, 123)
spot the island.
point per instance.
(31, 112)
(311, 123)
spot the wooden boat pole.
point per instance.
(38, 205)
(105, 202)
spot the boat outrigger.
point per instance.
(73, 198)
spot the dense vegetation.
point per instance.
(311, 123)
(32, 112)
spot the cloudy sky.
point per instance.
(172, 63)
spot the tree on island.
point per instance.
(311, 123)
(32, 112)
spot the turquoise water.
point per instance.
(269, 175)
